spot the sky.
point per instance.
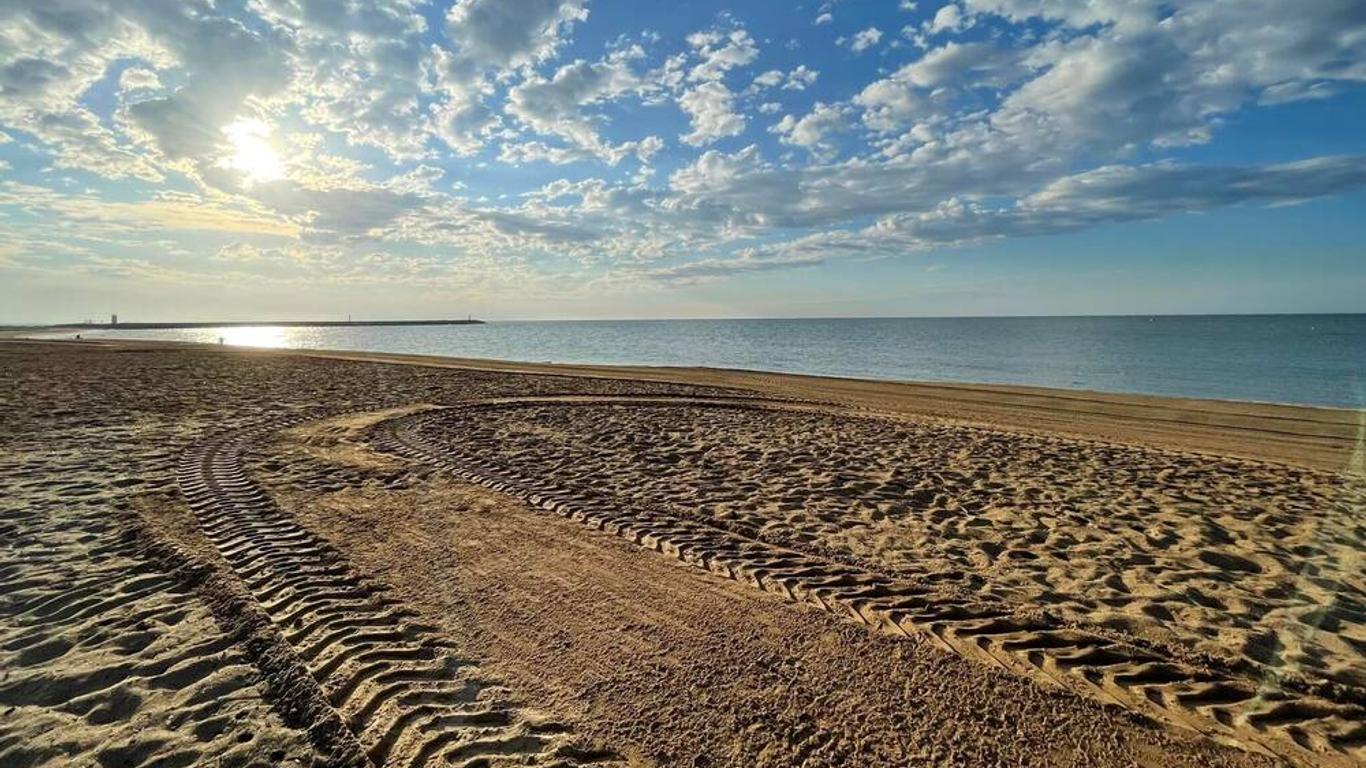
(526, 159)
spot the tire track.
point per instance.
(107, 657)
(404, 692)
(1302, 727)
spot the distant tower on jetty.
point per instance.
(114, 319)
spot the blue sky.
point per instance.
(590, 158)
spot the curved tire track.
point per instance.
(1304, 729)
(402, 691)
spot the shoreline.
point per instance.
(635, 369)
(1317, 437)
(1297, 363)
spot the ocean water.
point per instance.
(1307, 359)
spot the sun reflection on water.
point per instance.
(271, 336)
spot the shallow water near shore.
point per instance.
(1302, 359)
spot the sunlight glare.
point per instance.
(271, 336)
(252, 151)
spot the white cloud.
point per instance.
(813, 130)
(78, 140)
(1128, 14)
(1114, 194)
(950, 18)
(925, 88)
(824, 18)
(769, 79)
(706, 270)
(222, 64)
(865, 39)
(362, 70)
(1295, 90)
(489, 38)
(1107, 195)
(648, 147)
(711, 110)
(800, 78)
(553, 106)
(506, 34)
(720, 53)
(519, 152)
(1027, 125)
(139, 79)
(49, 61)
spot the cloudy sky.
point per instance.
(594, 158)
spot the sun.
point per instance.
(252, 151)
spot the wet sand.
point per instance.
(272, 558)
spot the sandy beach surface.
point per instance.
(248, 558)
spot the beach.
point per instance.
(345, 558)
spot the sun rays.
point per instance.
(252, 152)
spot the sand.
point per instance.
(1255, 562)
(266, 558)
(105, 659)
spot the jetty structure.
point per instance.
(125, 325)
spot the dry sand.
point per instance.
(1319, 438)
(1256, 562)
(264, 558)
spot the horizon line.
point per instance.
(133, 324)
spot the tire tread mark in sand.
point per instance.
(1223, 704)
(402, 691)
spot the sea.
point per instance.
(1301, 359)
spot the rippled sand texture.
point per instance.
(106, 661)
(105, 658)
(1257, 563)
(174, 591)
